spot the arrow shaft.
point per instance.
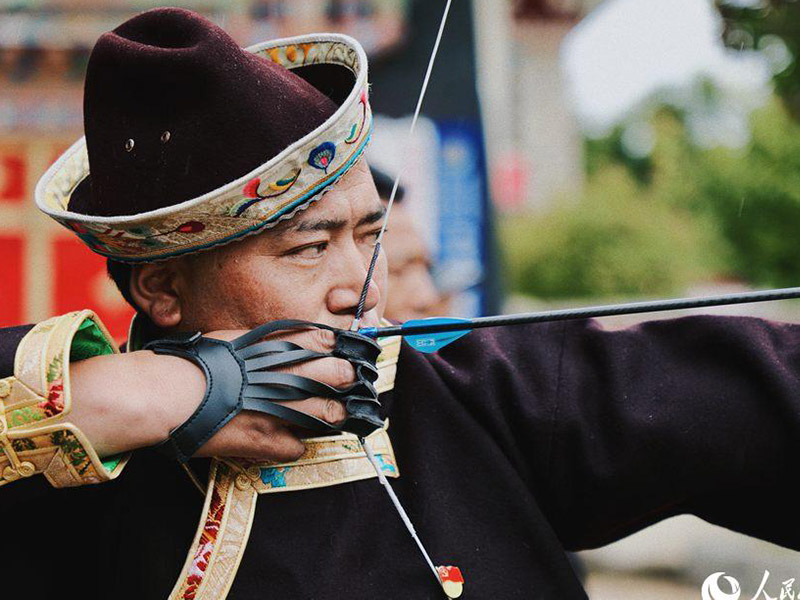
(589, 312)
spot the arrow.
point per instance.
(431, 335)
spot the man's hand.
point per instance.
(128, 401)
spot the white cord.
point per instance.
(370, 454)
(416, 113)
(355, 324)
(399, 507)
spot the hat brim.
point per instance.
(270, 193)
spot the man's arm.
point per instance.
(616, 430)
(113, 403)
(134, 400)
(699, 415)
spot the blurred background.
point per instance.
(570, 152)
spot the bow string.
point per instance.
(437, 572)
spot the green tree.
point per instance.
(756, 27)
(682, 215)
(754, 198)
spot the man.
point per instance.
(413, 290)
(511, 445)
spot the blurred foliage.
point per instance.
(754, 197)
(750, 27)
(682, 215)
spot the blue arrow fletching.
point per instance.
(433, 342)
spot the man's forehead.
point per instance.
(338, 220)
(352, 202)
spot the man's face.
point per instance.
(311, 267)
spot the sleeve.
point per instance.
(36, 436)
(10, 337)
(620, 429)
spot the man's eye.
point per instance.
(309, 251)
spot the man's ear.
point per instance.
(155, 290)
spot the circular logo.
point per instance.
(711, 589)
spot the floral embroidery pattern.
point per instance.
(23, 444)
(253, 196)
(73, 450)
(58, 449)
(70, 446)
(357, 128)
(107, 240)
(55, 368)
(205, 547)
(24, 416)
(351, 446)
(54, 405)
(280, 188)
(274, 476)
(322, 156)
(387, 466)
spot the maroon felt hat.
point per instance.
(192, 141)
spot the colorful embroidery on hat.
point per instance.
(322, 156)
(253, 196)
(87, 237)
(276, 191)
(307, 48)
(355, 131)
(121, 240)
(188, 227)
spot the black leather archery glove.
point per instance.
(240, 376)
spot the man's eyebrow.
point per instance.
(373, 217)
(319, 225)
(334, 224)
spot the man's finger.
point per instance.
(333, 371)
(320, 340)
(330, 411)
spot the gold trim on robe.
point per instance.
(234, 486)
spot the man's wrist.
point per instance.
(178, 385)
(134, 400)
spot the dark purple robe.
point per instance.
(514, 445)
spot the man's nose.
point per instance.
(345, 294)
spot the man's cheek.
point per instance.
(233, 299)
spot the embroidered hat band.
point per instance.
(292, 171)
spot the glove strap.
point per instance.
(239, 376)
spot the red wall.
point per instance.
(44, 270)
